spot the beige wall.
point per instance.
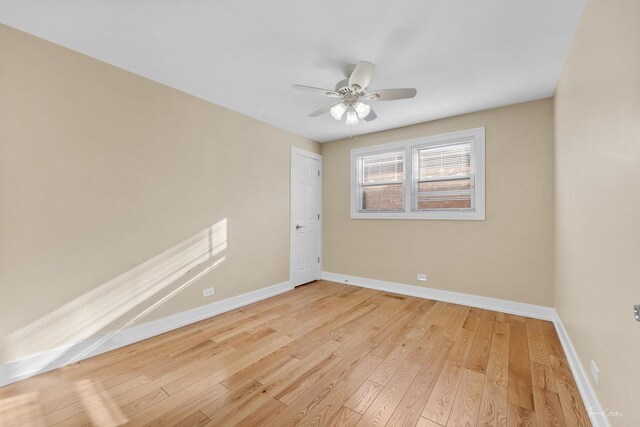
(508, 256)
(597, 113)
(101, 170)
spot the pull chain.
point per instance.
(351, 136)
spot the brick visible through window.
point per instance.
(382, 178)
(435, 177)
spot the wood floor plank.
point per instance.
(520, 389)
(100, 408)
(308, 341)
(177, 372)
(467, 404)
(322, 354)
(428, 341)
(307, 401)
(499, 353)
(493, 406)
(554, 348)
(537, 346)
(21, 409)
(548, 410)
(248, 326)
(394, 359)
(473, 319)
(227, 403)
(263, 369)
(410, 407)
(332, 319)
(489, 315)
(274, 369)
(518, 416)
(263, 414)
(446, 315)
(184, 402)
(424, 422)
(479, 356)
(296, 380)
(334, 395)
(229, 367)
(561, 370)
(313, 368)
(426, 319)
(345, 417)
(197, 419)
(364, 396)
(452, 318)
(542, 376)
(396, 323)
(388, 399)
(502, 317)
(440, 403)
(573, 408)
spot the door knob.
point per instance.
(298, 226)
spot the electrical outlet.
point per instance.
(595, 372)
(422, 277)
(208, 292)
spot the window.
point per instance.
(381, 177)
(438, 177)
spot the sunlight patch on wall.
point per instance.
(89, 313)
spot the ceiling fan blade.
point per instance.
(362, 75)
(371, 116)
(321, 111)
(317, 90)
(390, 94)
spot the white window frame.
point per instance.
(477, 212)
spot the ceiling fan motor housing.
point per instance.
(342, 87)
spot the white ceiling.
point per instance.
(461, 55)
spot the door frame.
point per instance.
(299, 151)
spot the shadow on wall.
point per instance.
(67, 334)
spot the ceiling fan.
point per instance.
(352, 91)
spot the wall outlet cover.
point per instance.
(422, 277)
(207, 292)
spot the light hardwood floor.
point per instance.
(323, 354)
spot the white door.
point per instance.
(306, 194)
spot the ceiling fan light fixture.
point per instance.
(362, 109)
(352, 118)
(337, 110)
(350, 93)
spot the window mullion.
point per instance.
(360, 181)
(408, 179)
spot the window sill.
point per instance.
(447, 216)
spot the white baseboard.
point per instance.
(598, 419)
(61, 356)
(504, 306)
(588, 394)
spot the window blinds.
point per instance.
(444, 179)
(382, 179)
